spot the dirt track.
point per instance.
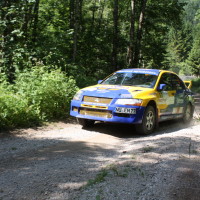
(59, 162)
(109, 161)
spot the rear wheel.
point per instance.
(85, 122)
(148, 122)
(188, 113)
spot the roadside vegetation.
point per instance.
(39, 94)
(196, 85)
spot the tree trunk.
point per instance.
(76, 29)
(130, 52)
(35, 24)
(101, 13)
(71, 14)
(139, 34)
(27, 15)
(94, 9)
(115, 34)
(7, 53)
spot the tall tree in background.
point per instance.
(194, 57)
(139, 33)
(35, 20)
(115, 35)
(182, 41)
(76, 26)
(130, 52)
(6, 39)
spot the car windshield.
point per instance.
(131, 79)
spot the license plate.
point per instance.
(125, 110)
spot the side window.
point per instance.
(166, 79)
(177, 83)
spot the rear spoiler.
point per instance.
(188, 84)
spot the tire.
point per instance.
(85, 122)
(148, 122)
(188, 114)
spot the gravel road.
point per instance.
(63, 161)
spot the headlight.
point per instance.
(131, 102)
(78, 95)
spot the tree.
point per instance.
(139, 33)
(131, 35)
(194, 55)
(115, 35)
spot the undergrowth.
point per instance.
(38, 95)
(196, 85)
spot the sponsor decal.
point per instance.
(180, 101)
(115, 87)
(166, 98)
(170, 100)
(137, 71)
(177, 110)
(90, 89)
(102, 91)
(126, 96)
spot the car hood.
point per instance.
(112, 91)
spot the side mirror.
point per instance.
(161, 87)
(99, 81)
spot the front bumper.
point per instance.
(107, 114)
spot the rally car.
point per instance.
(143, 97)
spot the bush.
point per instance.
(196, 85)
(15, 111)
(38, 95)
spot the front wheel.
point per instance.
(148, 122)
(85, 122)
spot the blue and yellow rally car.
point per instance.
(135, 96)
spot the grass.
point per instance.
(100, 177)
(140, 171)
(100, 195)
(122, 171)
(147, 149)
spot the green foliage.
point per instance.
(15, 111)
(194, 57)
(196, 85)
(78, 35)
(38, 95)
(183, 44)
(100, 177)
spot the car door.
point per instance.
(180, 99)
(166, 97)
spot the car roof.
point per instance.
(142, 70)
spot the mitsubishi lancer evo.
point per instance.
(143, 97)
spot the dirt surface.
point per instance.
(109, 161)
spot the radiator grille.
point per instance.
(97, 100)
(96, 112)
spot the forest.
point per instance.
(50, 48)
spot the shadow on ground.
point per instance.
(129, 131)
